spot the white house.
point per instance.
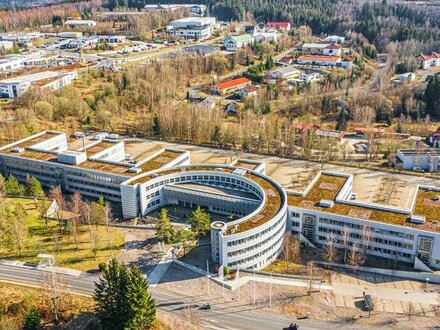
(232, 43)
(285, 73)
(318, 60)
(79, 23)
(332, 50)
(113, 39)
(193, 27)
(333, 40)
(6, 44)
(426, 159)
(427, 61)
(249, 91)
(263, 35)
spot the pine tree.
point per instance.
(34, 188)
(341, 125)
(122, 298)
(142, 306)
(156, 126)
(164, 229)
(200, 222)
(13, 187)
(432, 98)
(32, 321)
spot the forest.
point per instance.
(381, 22)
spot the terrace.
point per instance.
(160, 160)
(101, 146)
(107, 167)
(327, 187)
(246, 165)
(30, 142)
(269, 210)
(428, 205)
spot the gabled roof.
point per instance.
(283, 25)
(241, 38)
(318, 58)
(333, 46)
(232, 83)
(424, 57)
(285, 59)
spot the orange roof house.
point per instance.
(230, 85)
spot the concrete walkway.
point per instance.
(161, 268)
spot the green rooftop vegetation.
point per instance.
(327, 187)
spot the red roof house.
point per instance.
(279, 25)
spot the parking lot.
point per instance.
(390, 294)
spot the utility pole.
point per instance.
(254, 287)
(270, 291)
(207, 278)
(238, 283)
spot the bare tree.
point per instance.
(94, 244)
(75, 207)
(345, 242)
(108, 217)
(355, 257)
(291, 249)
(55, 289)
(193, 315)
(86, 213)
(366, 241)
(330, 252)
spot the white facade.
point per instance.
(13, 87)
(419, 159)
(10, 64)
(286, 73)
(232, 43)
(193, 27)
(80, 23)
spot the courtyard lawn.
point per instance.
(62, 245)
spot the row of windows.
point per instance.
(93, 192)
(257, 255)
(96, 177)
(256, 246)
(370, 248)
(27, 164)
(95, 185)
(255, 236)
(372, 239)
(228, 211)
(152, 203)
(366, 228)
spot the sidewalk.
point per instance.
(161, 268)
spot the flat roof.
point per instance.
(24, 144)
(420, 152)
(328, 186)
(98, 147)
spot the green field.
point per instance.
(62, 245)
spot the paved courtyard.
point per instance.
(392, 295)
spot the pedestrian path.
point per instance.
(161, 268)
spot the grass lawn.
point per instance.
(66, 252)
(284, 267)
(17, 300)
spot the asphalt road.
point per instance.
(227, 316)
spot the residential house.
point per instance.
(405, 77)
(434, 138)
(309, 77)
(198, 28)
(205, 103)
(285, 73)
(73, 23)
(286, 60)
(261, 36)
(333, 40)
(318, 60)
(230, 86)
(332, 50)
(427, 61)
(6, 44)
(282, 26)
(249, 91)
(231, 108)
(347, 63)
(232, 43)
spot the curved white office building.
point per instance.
(257, 203)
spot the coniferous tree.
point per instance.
(13, 187)
(34, 188)
(156, 126)
(32, 321)
(164, 229)
(122, 298)
(200, 222)
(432, 96)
